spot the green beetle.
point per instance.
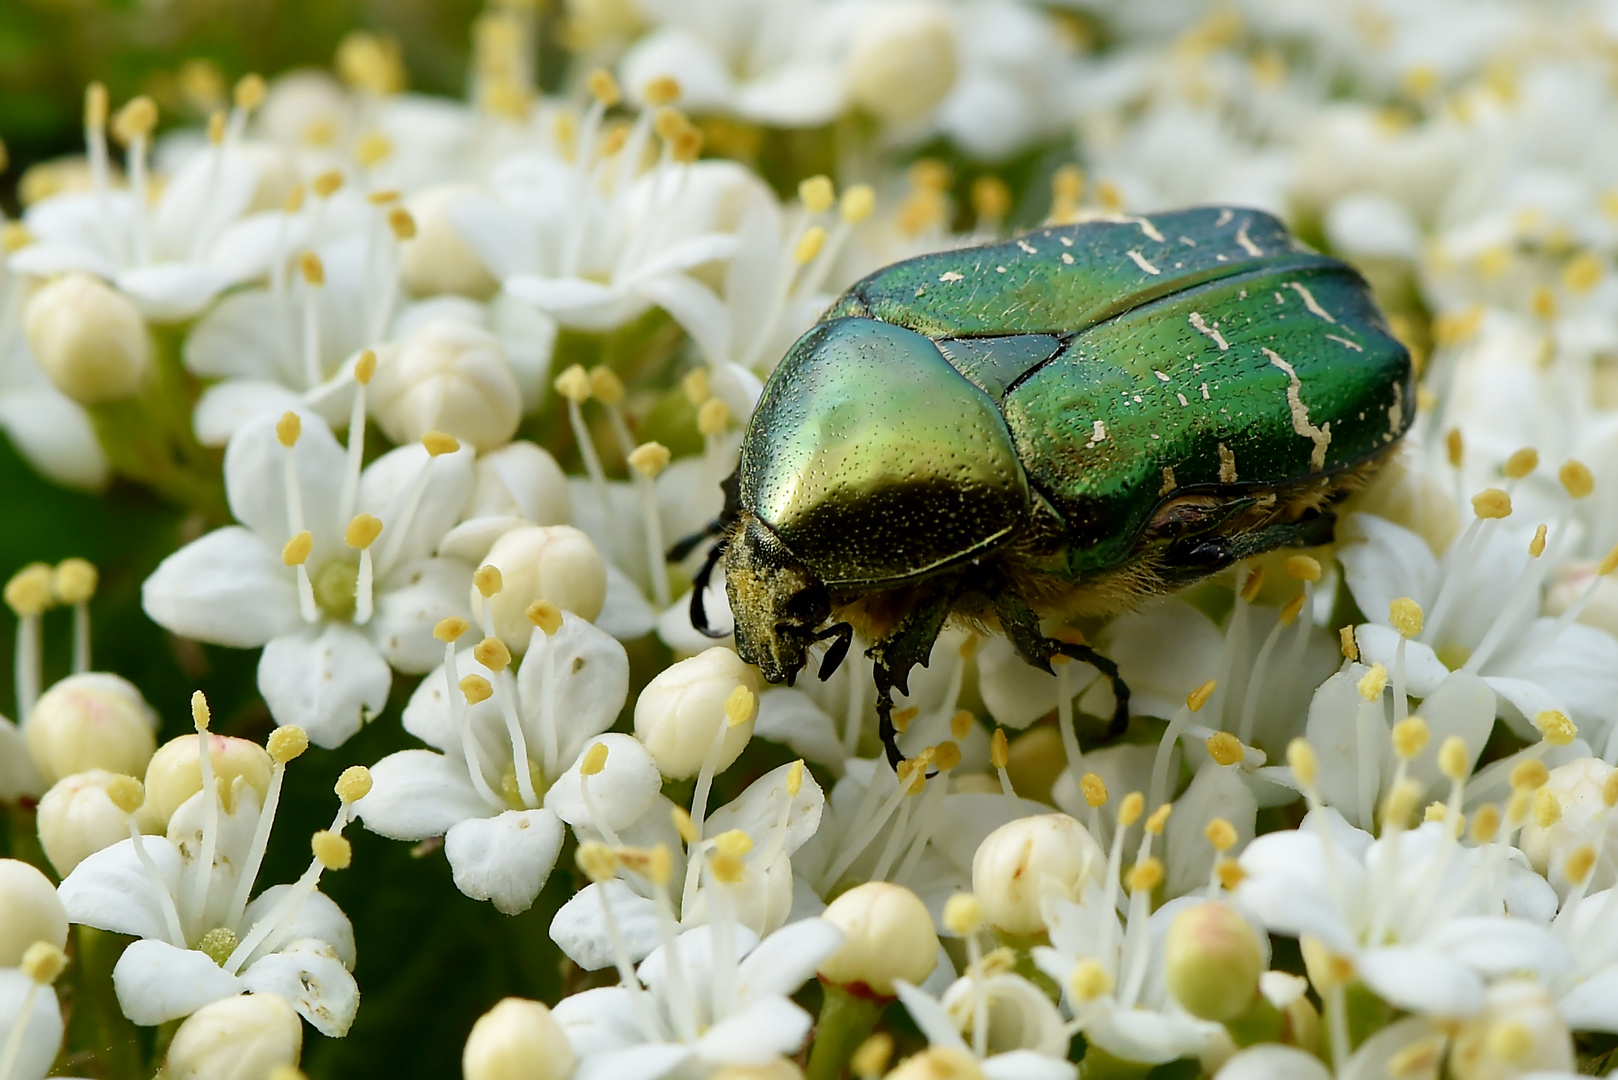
(1055, 426)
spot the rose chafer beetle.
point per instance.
(1056, 426)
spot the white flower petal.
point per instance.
(1270, 1061)
(621, 792)
(255, 481)
(1462, 706)
(1424, 671)
(229, 588)
(416, 794)
(770, 1028)
(309, 974)
(625, 614)
(170, 292)
(157, 982)
(785, 960)
(1388, 562)
(18, 775)
(1592, 1005)
(241, 337)
(930, 1016)
(41, 1035)
(53, 432)
(580, 930)
(110, 890)
(317, 918)
(502, 239)
(1495, 946)
(327, 679)
(391, 485)
(792, 717)
(635, 1063)
(1422, 981)
(504, 859)
(757, 811)
(1027, 1065)
(225, 408)
(410, 603)
(582, 673)
(804, 94)
(1015, 692)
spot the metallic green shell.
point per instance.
(874, 460)
(1133, 359)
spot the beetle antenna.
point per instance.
(699, 586)
(844, 633)
(684, 547)
(1120, 689)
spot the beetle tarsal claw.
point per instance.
(843, 634)
(1120, 689)
(699, 587)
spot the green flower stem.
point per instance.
(846, 1020)
(1262, 1022)
(22, 837)
(97, 1026)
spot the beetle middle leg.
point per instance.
(1022, 627)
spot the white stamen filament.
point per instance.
(1064, 717)
(645, 1011)
(505, 692)
(722, 925)
(1137, 947)
(1461, 555)
(857, 678)
(656, 566)
(256, 849)
(901, 827)
(1401, 704)
(210, 829)
(208, 212)
(1337, 1021)
(786, 271)
(279, 916)
(699, 806)
(27, 676)
(313, 369)
(1371, 731)
(1524, 597)
(136, 160)
(682, 1003)
(407, 514)
(871, 824)
(460, 714)
(295, 525)
(926, 822)
(356, 453)
(365, 589)
(81, 637)
(1255, 683)
(597, 822)
(19, 1028)
(592, 462)
(1159, 792)
(165, 899)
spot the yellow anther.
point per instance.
(1290, 613)
(1094, 790)
(1547, 808)
(1555, 727)
(1067, 184)
(1252, 584)
(1000, 749)
(487, 579)
(287, 743)
(1405, 616)
(663, 90)
(1327, 969)
(991, 198)
(1543, 302)
(476, 689)
(372, 149)
(1400, 804)
(817, 194)
(603, 87)
(734, 842)
(574, 384)
(727, 869)
(1089, 981)
(1576, 478)
(353, 784)
(74, 581)
(741, 706)
(1221, 834)
(296, 550)
(605, 385)
(963, 914)
(1453, 759)
(1509, 1041)
(1303, 568)
(1530, 774)
(1416, 1060)
(946, 755)
(545, 615)
(1197, 698)
(1159, 818)
(713, 417)
(293, 203)
(95, 105)
(450, 628)
(312, 269)
(1373, 682)
(365, 368)
(437, 443)
(1536, 546)
(43, 962)
(649, 459)
(809, 244)
(970, 645)
(249, 92)
(858, 202)
(594, 759)
(683, 825)
(654, 864)
(126, 793)
(795, 778)
(331, 851)
(1230, 873)
(14, 236)
(1609, 562)
(870, 1061)
(1609, 791)
(371, 63)
(1145, 875)
(1491, 503)
(492, 653)
(327, 183)
(1436, 811)
(288, 428)
(216, 126)
(1521, 463)
(1301, 759)
(1130, 810)
(598, 861)
(930, 174)
(1454, 447)
(1579, 864)
(696, 386)
(1485, 823)
(1345, 641)
(961, 724)
(1581, 273)
(1225, 748)
(135, 120)
(362, 532)
(402, 224)
(902, 717)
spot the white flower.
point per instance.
(1015, 1031)
(31, 1025)
(713, 996)
(358, 598)
(512, 765)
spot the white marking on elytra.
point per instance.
(1310, 302)
(1247, 243)
(949, 275)
(1200, 325)
(1099, 432)
(1146, 226)
(1181, 396)
(1224, 216)
(1067, 241)
(1227, 465)
(1160, 376)
(1244, 294)
(1029, 248)
(1344, 341)
(1066, 258)
(1279, 299)
(1205, 392)
(999, 269)
(1140, 261)
(1188, 240)
(1138, 399)
(1168, 480)
(1396, 413)
(1221, 258)
(1320, 436)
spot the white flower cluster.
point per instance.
(359, 331)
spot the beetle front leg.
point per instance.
(907, 644)
(1022, 627)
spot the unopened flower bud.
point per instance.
(91, 721)
(1212, 960)
(89, 338)
(175, 774)
(557, 563)
(903, 61)
(29, 911)
(938, 1063)
(236, 1038)
(887, 935)
(1020, 858)
(1580, 788)
(1569, 586)
(1519, 1031)
(517, 1040)
(76, 819)
(683, 711)
(448, 376)
(521, 480)
(437, 260)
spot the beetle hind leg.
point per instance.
(1022, 627)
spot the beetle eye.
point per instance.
(1205, 554)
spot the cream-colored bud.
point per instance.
(91, 721)
(448, 376)
(1519, 1031)
(682, 711)
(236, 1038)
(76, 819)
(521, 480)
(542, 562)
(887, 935)
(1212, 960)
(517, 1040)
(1585, 821)
(29, 911)
(1568, 586)
(175, 774)
(1021, 858)
(938, 1063)
(89, 338)
(437, 260)
(902, 61)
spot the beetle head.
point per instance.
(777, 603)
